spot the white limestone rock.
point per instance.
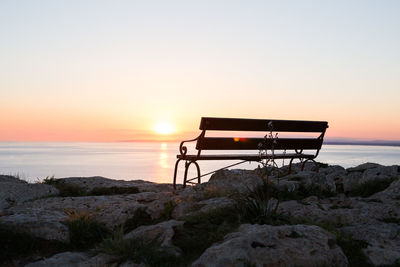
(383, 241)
(13, 192)
(266, 245)
(163, 232)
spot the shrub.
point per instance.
(257, 206)
(85, 231)
(137, 250)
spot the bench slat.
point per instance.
(233, 124)
(228, 143)
(250, 157)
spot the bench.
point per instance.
(295, 145)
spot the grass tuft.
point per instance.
(85, 231)
(113, 190)
(257, 206)
(139, 218)
(138, 251)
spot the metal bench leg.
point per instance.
(187, 165)
(175, 172)
(316, 165)
(290, 165)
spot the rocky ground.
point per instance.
(336, 217)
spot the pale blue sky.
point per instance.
(113, 65)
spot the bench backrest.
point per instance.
(242, 143)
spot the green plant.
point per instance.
(140, 217)
(85, 231)
(257, 206)
(371, 187)
(113, 190)
(137, 250)
(340, 207)
(166, 214)
(65, 189)
(391, 220)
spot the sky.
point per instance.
(112, 70)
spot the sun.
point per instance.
(164, 128)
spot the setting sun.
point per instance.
(164, 128)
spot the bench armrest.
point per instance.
(183, 149)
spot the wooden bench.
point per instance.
(295, 145)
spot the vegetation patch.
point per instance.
(138, 251)
(66, 190)
(371, 187)
(85, 231)
(257, 206)
(21, 247)
(340, 207)
(113, 190)
(391, 220)
(201, 231)
(140, 217)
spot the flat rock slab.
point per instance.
(265, 245)
(383, 241)
(90, 183)
(46, 217)
(14, 192)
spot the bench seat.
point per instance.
(249, 157)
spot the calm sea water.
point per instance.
(147, 161)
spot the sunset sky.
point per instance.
(116, 70)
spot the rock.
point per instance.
(230, 181)
(383, 241)
(90, 183)
(266, 245)
(351, 181)
(356, 178)
(339, 211)
(380, 173)
(390, 193)
(313, 179)
(45, 217)
(64, 259)
(363, 167)
(14, 192)
(11, 179)
(190, 208)
(79, 259)
(163, 232)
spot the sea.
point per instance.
(149, 161)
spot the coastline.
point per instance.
(80, 216)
